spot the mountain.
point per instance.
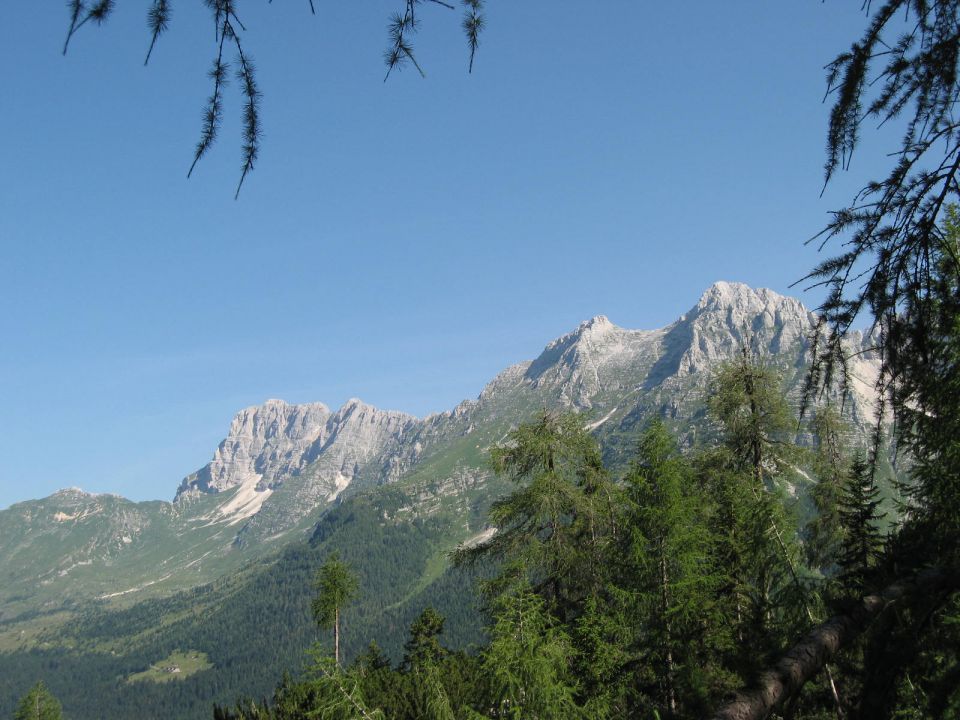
(281, 465)
(393, 493)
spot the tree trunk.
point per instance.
(664, 610)
(336, 636)
(809, 656)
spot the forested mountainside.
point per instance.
(97, 588)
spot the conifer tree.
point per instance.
(831, 467)
(669, 568)
(555, 527)
(427, 696)
(38, 704)
(229, 34)
(423, 647)
(527, 663)
(927, 394)
(755, 424)
(335, 585)
(862, 542)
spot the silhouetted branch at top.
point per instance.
(903, 68)
(227, 28)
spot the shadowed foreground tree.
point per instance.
(896, 255)
(808, 657)
(899, 266)
(903, 69)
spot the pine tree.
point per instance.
(335, 585)
(862, 542)
(830, 466)
(38, 704)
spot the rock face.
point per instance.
(264, 444)
(288, 460)
(730, 316)
(593, 360)
(306, 454)
(281, 465)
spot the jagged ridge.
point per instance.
(282, 464)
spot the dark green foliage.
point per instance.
(424, 648)
(228, 32)
(335, 586)
(38, 704)
(757, 538)
(669, 576)
(903, 68)
(927, 396)
(830, 466)
(403, 26)
(747, 400)
(907, 665)
(862, 543)
(555, 527)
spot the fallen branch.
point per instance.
(809, 656)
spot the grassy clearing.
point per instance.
(176, 666)
(32, 632)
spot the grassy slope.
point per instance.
(253, 625)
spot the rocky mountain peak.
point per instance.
(264, 442)
(355, 410)
(731, 315)
(596, 324)
(740, 298)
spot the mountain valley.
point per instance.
(103, 588)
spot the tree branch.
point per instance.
(808, 657)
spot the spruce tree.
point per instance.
(862, 542)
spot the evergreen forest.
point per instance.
(779, 565)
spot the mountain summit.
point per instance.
(282, 466)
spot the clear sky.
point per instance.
(401, 242)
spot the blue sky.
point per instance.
(401, 242)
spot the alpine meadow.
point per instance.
(749, 510)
